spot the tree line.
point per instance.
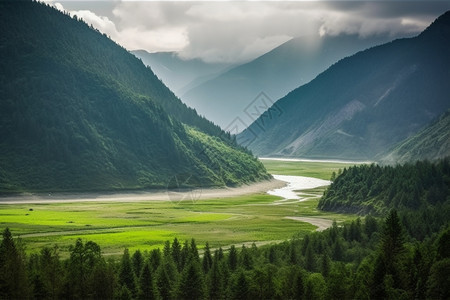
(377, 189)
(367, 258)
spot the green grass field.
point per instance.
(147, 225)
(317, 169)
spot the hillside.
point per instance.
(294, 63)
(376, 189)
(431, 143)
(364, 104)
(179, 74)
(78, 112)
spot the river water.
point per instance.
(296, 183)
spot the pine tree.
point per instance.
(377, 289)
(220, 254)
(51, 270)
(138, 262)
(443, 245)
(155, 259)
(325, 265)
(241, 289)
(392, 239)
(191, 283)
(246, 260)
(147, 287)
(438, 284)
(215, 280)
(103, 281)
(333, 176)
(299, 285)
(310, 259)
(163, 283)
(293, 257)
(184, 254)
(270, 271)
(193, 251)
(166, 249)
(338, 283)
(370, 226)
(388, 275)
(126, 274)
(176, 254)
(338, 250)
(83, 258)
(207, 259)
(272, 255)
(232, 258)
(315, 287)
(124, 294)
(13, 280)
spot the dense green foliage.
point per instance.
(366, 258)
(78, 112)
(364, 104)
(432, 142)
(372, 188)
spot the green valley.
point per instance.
(112, 187)
(147, 224)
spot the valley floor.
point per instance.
(143, 220)
(143, 196)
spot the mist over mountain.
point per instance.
(180, 74)
(275, 73)
(364, 104)
(79, 112)
(431, 143)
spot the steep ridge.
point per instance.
(78, 112)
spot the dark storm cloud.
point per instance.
(239, 31)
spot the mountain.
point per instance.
(431, 143)
(79, 112)
(362, 105)
(180, 74)
(275, 73)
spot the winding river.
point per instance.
(295, 183)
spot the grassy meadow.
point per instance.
(146, 225)
(316, 169)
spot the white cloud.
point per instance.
(160, 39)
(103, 24)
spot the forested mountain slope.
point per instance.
(377, 189)
(78, 112)
(363, 105)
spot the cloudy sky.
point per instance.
(237, 31)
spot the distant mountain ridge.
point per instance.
(180, 74)
(275, 73)
(364, 104)
(430, 143)
(78, 112)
